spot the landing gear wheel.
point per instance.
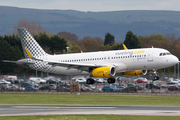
(90, 81)
(156, 77)
(111, 80)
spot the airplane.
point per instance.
(104, 64)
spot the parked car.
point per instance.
(110, 89)
(139, 87)
(12, 81)
(13, 87)
(120, 79)
(168, 85)
(175, 81)
(4, 81)
(130, 87)
(18, 81)
(172, 88)
(76, 77)
(151, 85)
(5, 87)
(29, 88)
(53, 81)
(83, 89)
(140, 80)
(90, 86)
(120, 86)
(1, 84)
(98, 80)
(86, 87)
(52, 77)
(80, 80)
(33, 83)
(48, 87)
(62, 88)
(105, 80)
(37, 80)
(24, 84)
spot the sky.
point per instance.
(95, 5)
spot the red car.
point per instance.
(83, 89)
(172, 88)
(141, 80)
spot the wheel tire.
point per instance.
(88, 81)
(109, 80)
(156, 77)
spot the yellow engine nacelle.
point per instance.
(103, 72)
(136, 73)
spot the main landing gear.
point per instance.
(91, 80)
(156, 77)
(111, 80)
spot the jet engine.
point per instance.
(136, 73)
(104, 72)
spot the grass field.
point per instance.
(88, 99)
(90, 117)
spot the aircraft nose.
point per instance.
(175, 60)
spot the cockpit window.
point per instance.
(163, 54)
(168, 53)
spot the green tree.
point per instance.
(156, 37)
(13, 40)
(57, 44)
(109, 39)
(75, 49)
(7, 52)
(131, 41)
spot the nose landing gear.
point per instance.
(156, 77)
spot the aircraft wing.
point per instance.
(69, 65)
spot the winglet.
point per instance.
(125, 48)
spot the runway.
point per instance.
(17, 110)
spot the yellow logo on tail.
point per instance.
(30, 56)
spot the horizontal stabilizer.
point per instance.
(22, 61)
(9, 61)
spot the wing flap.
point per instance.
(70, 64)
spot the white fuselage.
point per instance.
(123, 60)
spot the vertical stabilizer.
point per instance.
(30, 46)
(125, 48)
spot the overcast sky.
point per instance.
(95, 5)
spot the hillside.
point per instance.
(94, 24)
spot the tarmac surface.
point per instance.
(19, 110)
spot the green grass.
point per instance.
(88, 99)
(90, 117)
